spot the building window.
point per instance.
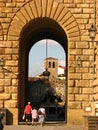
(53, 65)
(49, 64)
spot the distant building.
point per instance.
(55, 71)
(62, 72)
(52, 65)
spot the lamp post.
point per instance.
(46, 73)
(92, 34)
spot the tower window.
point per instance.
(49, 64)
(53, 65)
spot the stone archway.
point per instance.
(36, 30)
(43, 10)
(39, 9)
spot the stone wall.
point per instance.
(75, 17)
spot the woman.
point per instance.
(41, 115)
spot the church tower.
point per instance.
(51, 64)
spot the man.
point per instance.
(27, 112)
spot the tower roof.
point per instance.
(51, 58)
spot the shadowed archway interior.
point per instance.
(35, 30)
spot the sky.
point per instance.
(37, 55)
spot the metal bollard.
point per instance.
(1, 117)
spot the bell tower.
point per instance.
(52, 66)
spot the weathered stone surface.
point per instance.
(2, 51)
(75, 116)
(1, 103)
(75, 18)
(87, 90)
(5, 96)
(14, 97)
(11, 89)
(74, 105)
(75, 76)
(1, 89)
(13, 112)
(87, 76)
(10, 104)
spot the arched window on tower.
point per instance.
(53, 64)
(49, 64)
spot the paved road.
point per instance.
(45, 127)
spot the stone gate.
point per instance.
(24, 22)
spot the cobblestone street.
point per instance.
(46, 127)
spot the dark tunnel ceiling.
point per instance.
(42, 28)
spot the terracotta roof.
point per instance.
(51, 58)
(63, 67)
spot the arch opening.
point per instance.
(35, 30)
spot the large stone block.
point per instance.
(81, 97)
(1, 103)
(88, 10)
(74, 105)
(83, 83)
(82, 70)
(6, 10)
(71, 97)
(11, 51)
(71, 83)
(2, 51)
(10, 104)
(5, 96)
(1, 81)
(12, 63)
(82, 45)
(88, 51)
(12, 116)
(75, 116)
(87, 90)
(75, 76)
(10, 89)
(15, 96)
(87, 76)
(1, 89)
(10, 5)
(14, 81)
(75, 51)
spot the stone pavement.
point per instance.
(45, 127)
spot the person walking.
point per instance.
(41, 115)
(27, 112)
(34, 115)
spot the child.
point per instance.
(34, 115)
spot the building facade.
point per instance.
(22, 24)
(52, 65)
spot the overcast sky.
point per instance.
(37, 55)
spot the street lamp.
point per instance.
(46, 73)
(92, 34)
(2, 62)
(79, 62)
